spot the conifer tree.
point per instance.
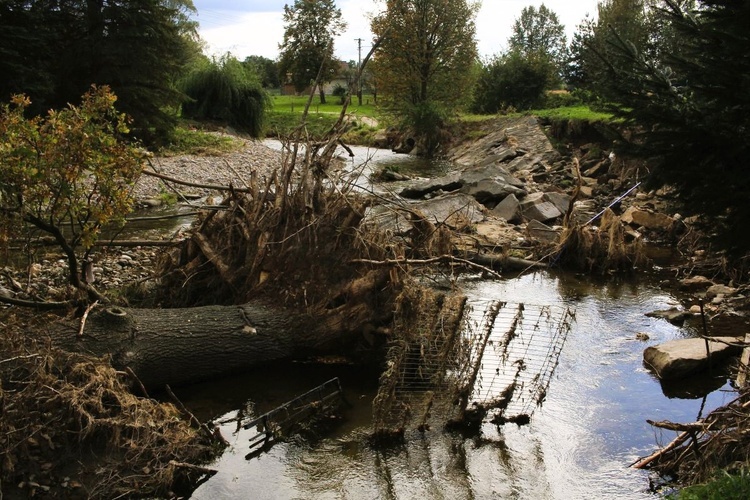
(693, 108)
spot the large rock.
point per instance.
(487, 184)
(536, 207)
(720, 290)
(695, 283)
(561, 201)
(648, 219)
(682, 357)
(541, 232)
(455, 210)
(673, 315)
(508, 209)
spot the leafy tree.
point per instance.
(590, 46)
(226, 90)
(513, 80)
(53, 51)
(266, 68)
(70, 169)
(538, 33)
(425, 62)
(307, 49)
(694, 110)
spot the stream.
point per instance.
(579, 443)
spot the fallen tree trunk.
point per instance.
(179, 346)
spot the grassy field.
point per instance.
(285, 115)
(582, 112)
(286, 110)
(296, 104)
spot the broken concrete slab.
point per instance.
(457, 211)
(487, 184)
(648, 219)
(542, 232)
(682, 357)
(536, 207)
(508, 209)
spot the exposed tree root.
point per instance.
(71, 428)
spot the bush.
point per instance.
(226, 90)
(427, 121)
(513, 80)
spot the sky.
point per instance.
(256, 27)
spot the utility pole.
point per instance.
(359, 70)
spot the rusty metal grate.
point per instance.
(514, 350)
(498, 368)
(293, 416)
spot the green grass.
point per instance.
(581, 112)
(726, 486)
(188, 138)
(296, 104)
(286, 112)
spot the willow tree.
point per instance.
(227, 90)
(309, 29)
(425, 61)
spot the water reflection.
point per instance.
(579, 443)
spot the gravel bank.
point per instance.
(232, 167)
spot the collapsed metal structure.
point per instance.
(497, 368)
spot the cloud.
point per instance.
(256, 27)
(240, 5)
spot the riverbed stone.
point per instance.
(542, 232)
(673, 315)
(679, 358)
(536, 207)
(561, 201)
(508, 209)
(695, 283)
(720, 291)
(648, 219)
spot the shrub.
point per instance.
(226, 90)
(513, 80)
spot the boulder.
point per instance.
(508, 209)
(679, 358)
(673, 315)
(536, 207)
(695, 283)
(561, 201)
(541, 232)
(648, 219)
(490, 190)
(455, 210)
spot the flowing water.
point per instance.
(579, 443)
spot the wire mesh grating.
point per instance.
(499, 366)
